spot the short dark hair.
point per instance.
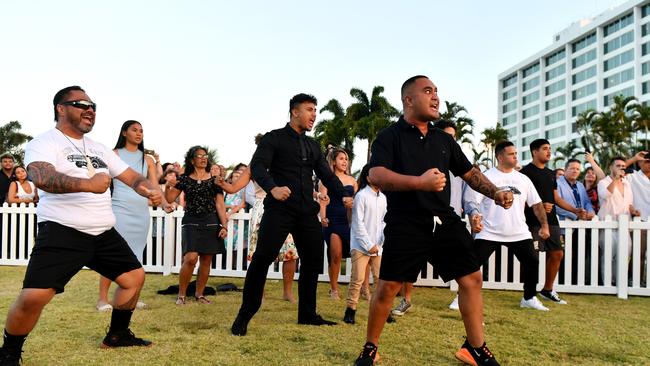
(615, 159)
(410, 81)
(61, 94)
(535, 145)
(298, 99)
(566, 165)
(362, 181)
(498, 149)
(443, 123)
(7, 156)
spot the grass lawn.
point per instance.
(593, 330)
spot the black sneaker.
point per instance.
(390, 319)
(349, 315)
(476, 356)
(368, 355)
(316, 320)
(124, 338)
(239, 326)
(8, 358)
(553, 296)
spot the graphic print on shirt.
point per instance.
(79, 160)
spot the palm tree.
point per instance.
(491, 137)
(457, 114)
(642, 123)
(11, 140)
(566, 152)
(369, 116)
(336, 131)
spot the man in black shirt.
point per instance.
(283, 165)
(545, 183)
(410, 162)
(7, 162)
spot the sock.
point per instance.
(120, 320)
(14, 343)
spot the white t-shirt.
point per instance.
(90, 213)
(641, 192)
(499, 224)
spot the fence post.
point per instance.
(168, 243)
(622, 255)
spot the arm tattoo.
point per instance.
(45, 177)
(540, 213)
(480, 183)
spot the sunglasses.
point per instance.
(81, 104)
(201, 156)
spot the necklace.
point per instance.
(89, 164)
(199, 179)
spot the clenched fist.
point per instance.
(281, 193)
(98, 183)
(154, 195)
(433, 180)
(504, 199)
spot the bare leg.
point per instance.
(288, 270)
(187, 268)
(104, 285)
(204, 273)
(470, 302)
(127, 294)
(335, 262)
(24, 313)
(553, 261)
(407, 289)
(380, 306)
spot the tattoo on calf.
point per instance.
(129, 304)
(45, 177)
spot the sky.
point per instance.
(216, 73)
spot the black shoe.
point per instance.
(316, 320)
(124, 338)
(390, 319)
(476, 356)
(8, 358)
(239, 326)
(368, 355)
(349, 315)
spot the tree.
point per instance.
(213, 155)
(491, 137)
(641, 124)
(369, 116)
(12, 140)
(457, 114)
(569, 151)
(336, 131)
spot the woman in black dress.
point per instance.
(204, 222)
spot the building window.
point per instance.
(627, 92)
(530, 70)
(530, 98)
(645, 68)
(510, 106)
(645, 87)
(555, 72)
(585, 74)
(584, 42)
(618, 42)
(555, 102)
(509, 120)
(555, 87)
(528, 139)
(645, 48)
(529, 126)
(618, 60)
(617, 25)
(645, 29)
(619, 78)
(645, 10)
(530, 84)
(554, 117)
(525, 155)
(584, 58)
(583, 107)
(509, 94)
(512, 131)
(557, 56)
(530, 112)
(509, 81)
(584, 91)
(555, 132)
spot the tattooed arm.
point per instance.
(540, 213)
(45, 177)
(479, 182)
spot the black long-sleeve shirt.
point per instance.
(286, 158)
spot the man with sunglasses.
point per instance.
(75, 224)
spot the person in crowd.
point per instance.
(410, 162)
(558, 173)
(640, 182)
(495, 227)
(204, 221)
(7, 164)
(131, 210)
(283, 165)
(545, 182)
(22, 190)
(616, 198)
(366, 239)
(75, 224)
(335, 218)
(169, 179)
(236, 202)
(593, 174)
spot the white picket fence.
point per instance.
(581, 273)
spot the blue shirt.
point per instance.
(575, 195)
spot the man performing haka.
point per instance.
(75, 223)
(410, 162)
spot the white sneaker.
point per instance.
(141, 305)
(533, 303)
(103, 306)
(454, 304)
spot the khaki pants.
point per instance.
(360, 262)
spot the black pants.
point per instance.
(525, 253)
(275, 225)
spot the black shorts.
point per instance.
(553, 243)
(60, 252)
(411, 242)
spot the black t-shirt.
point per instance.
(545, 184)
(402, 148)
(199, 197)
(4, 186)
